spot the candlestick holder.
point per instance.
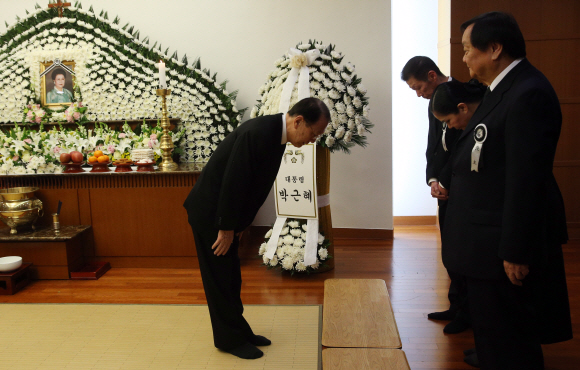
(166, 146)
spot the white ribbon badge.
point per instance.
(479, 135)
(443, 137)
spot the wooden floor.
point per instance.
(410, 265)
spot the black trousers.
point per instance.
(222, 283)
(505, 324)
(458, 287)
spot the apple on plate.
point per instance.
(77, 157)
(64, 158)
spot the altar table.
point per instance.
(137, 218)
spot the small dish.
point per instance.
(100, 167)
(145, 167)
(73, 167)
(123, 167)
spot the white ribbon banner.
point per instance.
(299, 72)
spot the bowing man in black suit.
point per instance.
(223, 203)
(505, 218)
(423, 76)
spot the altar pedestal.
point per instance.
(53, 255)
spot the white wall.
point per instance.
(414, 32)
(241, 39)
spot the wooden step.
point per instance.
(358, 313)
(364, 359)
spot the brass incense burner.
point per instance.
(19, 208)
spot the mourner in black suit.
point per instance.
(505, 219)
(423, 76)
(223, 203)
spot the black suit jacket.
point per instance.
(238, 177)
(512, 208)
(437, 156)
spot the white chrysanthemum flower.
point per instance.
(345, 76)
(322, 94)
(262, 249)
(329, 141)
(295, 232)
(325, 57)
(339, 133)
(361, 130)
(333, 94)
(320, 238)
(323, 253)
(330, 104)
(317, 63)
(318, 76)
(300, 266)
(339, 86)
(357, 102)
(315, 85)
(350, 111)
(274, 261)
(288, 263)
(294, 224)
(305, 227)
(328, 83)
(348, 136)
(340, 107)
(315, 265)
(289, 240)
(284, 231)
(351, 91)
(268, 234)
(337, 67)
(280, 252)
(280, 242)
(325, 69)
(304, 46)
(361, 89)
(298, 242)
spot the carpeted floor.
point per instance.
(111, 336)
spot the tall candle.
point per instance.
(162, 82)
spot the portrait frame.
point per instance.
(47, 84)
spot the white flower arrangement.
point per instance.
(116, 75)
(25, 151)
(289, 254)
(333, 82)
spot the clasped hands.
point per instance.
(224, 241)
(438, 192)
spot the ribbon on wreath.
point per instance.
(299, 62)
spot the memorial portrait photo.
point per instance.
(57, 85)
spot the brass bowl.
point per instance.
(15, 194)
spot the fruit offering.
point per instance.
(122, 161)
(77, 157)
(98, 157)
(64, 158)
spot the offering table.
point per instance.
(137, 218)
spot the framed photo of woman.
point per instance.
(57, 85)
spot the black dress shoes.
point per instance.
(443, 315)
(456, 326)
(472, 360)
